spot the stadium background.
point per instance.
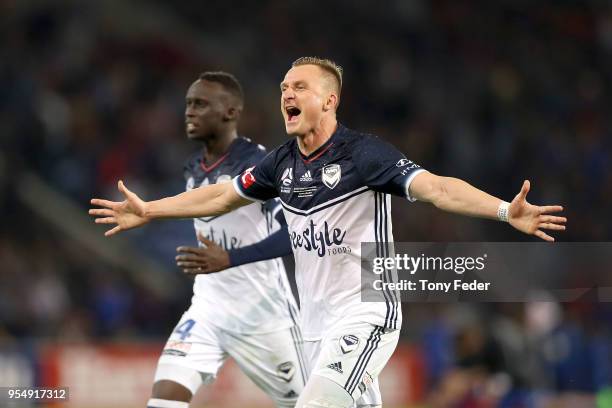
(492, 92)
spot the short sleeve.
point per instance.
(383, 168)
(257, 182)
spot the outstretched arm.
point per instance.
(133, 212)
(457, 196)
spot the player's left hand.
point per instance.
(532, 219)
(127, 214)
(202, 260)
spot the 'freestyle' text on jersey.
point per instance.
(320, 241)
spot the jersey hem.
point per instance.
(289, 324)
(320, 335)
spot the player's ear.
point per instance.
(331, 102)
(232, 113)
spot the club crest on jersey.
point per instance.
(286, 370)
(331, 174)
(287, 177)
(348, 343)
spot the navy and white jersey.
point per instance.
(252, 298)
(334, 199)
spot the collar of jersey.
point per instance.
(220, 159)
(323, 148)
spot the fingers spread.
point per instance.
(127, 193)
(550, 226)
(107, 220)
(103, 203)
(112, 231)
(122, 187)
(524, 190)
(552, 218)
(545, 209)
(543, 236)
(101, 211)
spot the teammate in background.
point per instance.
(246, 312)
(334, 185)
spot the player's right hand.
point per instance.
(208, 258)
(127, 214)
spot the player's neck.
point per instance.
(317, 137)
(217, 146)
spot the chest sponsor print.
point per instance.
(327, 240)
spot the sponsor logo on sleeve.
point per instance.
(247, 178)
(406, 165)
(403, 162)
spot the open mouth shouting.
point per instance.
(292, 113)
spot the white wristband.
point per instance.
(502, 211)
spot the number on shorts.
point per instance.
(184, 328)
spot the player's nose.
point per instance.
(189, 113)
(288, 94)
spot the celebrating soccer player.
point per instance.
(334, 185)
(247, 312)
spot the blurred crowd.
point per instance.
(491, 92)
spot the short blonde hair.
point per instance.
(326, 65)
